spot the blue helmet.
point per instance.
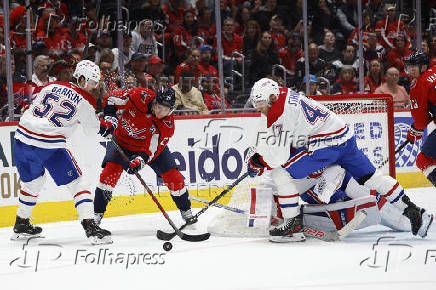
(166, 96)
(417, 58)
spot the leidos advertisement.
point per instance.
(204, 149)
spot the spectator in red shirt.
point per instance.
(18, 27)
(390, 27)
(276, 25)
(398, 54)
(52, 35)
(346, 85)
(374, 77)
(190, 64)
(206, 29)
(204, 65)
(62, 70)
(60, 8)
(174, 11)
(289, 55)
(230, 40)
(183, 34)
(366, 29)
(211, 96)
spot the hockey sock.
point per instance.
(101, 200)
(182, 202)
(83, 203)
(26, 205)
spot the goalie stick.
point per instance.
(183, 236)
(168, 236)
(327, 236)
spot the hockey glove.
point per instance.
(256, 165)
(108, 125)
(136, 163)
(414, 134)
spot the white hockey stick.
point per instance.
(353, 224)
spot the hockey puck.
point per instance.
(167, 246)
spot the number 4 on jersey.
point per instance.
(313, 113)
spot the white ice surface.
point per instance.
(219, 263)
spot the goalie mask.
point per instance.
(262, 90)
(89, 70)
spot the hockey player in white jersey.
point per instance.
(301, 137)
(40, 145)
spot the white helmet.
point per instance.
(263, 89)
(89, 70)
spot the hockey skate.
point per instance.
(95, 234)
(420, 220)
(23, 228)
(190, 219)
(291, 230)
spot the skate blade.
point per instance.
(296, 237)
(24, 236)
(94, 240)
(423, 230)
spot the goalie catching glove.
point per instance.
(414, 134)
(256, 165)
(136, 163)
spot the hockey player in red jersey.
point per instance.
(423, 109)
(143, 131)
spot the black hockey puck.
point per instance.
(167, 246)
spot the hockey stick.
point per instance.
(168, 236)
(219, 205)
(183, 236)
(396, 151)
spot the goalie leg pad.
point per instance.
(28, 196)
(388, 187)
(82, 198)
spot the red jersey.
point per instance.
(423, 99)
(184, 66)
(138, 129)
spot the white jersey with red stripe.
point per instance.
(54, 114)
(297, 121)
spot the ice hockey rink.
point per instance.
(371, 258)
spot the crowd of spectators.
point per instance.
(173, 42)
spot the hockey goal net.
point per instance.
(371, 119)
